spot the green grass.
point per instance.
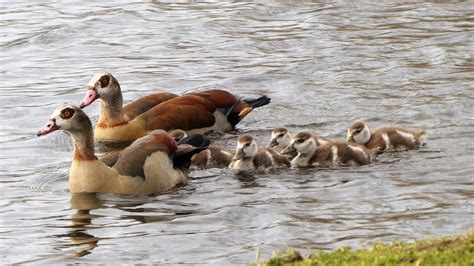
(445, 251)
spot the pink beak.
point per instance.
(90, 97)
(48, 128)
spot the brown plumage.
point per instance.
(386, 138)
(143, 104)
(150, 164)
(249, 157)
(195, 112)
(183, 112)
(313, 151)
(214, 156)
(233, 107)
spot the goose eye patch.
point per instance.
(67, 113)
(104, 81)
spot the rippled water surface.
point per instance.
(323, 65)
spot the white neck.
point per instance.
(362, 137)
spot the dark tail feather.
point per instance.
(259, 102)
(235, 117)
(187, 147)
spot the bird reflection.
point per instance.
(83, 203)
(79, 235)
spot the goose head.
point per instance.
(104, 86)
(69, 118)
(303, 143)
(280, 137)
(247, 147)
(358, 132)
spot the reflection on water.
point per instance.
(323, 65)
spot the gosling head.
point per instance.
(246, 148)
(178, 134)
(280, 138)
(104, 86)
(358, 132)
(303, 143)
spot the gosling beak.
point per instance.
(273, 143)
(239, 155)
(90, 97)
(48, 128)
(349, 138)
(288, 149)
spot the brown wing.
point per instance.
(131, 160)
(110, 158)
(221, 98)
(184, 112)
(193, 100)
(279, 159)
(142, 105)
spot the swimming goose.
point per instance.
(215, 156)
(249, 157)
(314, 152)
(386, 138)
(194, 112)
(150, 164)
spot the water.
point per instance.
(324, 65)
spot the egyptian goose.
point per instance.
(194, 112)
(314, 152)
(386, 138)
(249, 157)
(150, 164)
(215, 156)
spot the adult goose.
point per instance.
(386, 138)
(194, 112)
(150, 164)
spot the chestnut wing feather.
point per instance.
(131, 160)
(144, 104)
(184, 112)
(221, 98)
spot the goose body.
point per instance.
(386, 138)
(195, 112)
(313, 151)
(150, 164)
(249, 157)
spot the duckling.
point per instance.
(177, 134)
(313, 152)
(150, 164)
(215, 156)
(386, 138)
(250, 157)
(280, 139)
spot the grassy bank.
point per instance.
(443, 251)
